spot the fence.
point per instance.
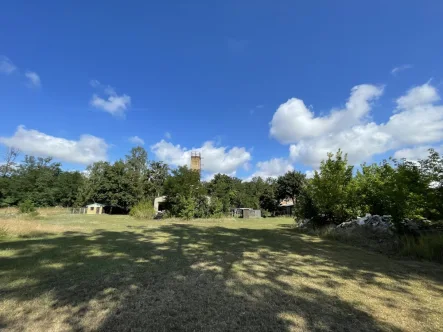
(246, 213)
(78, 210)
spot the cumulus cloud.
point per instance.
(359, 142)
(272, 168)
(416, 120)
(398, 69)
(136, 140)
(86, 150)
(216, 159)
(112, 103)
(33, 79)
(416, 153)
(6, 65)
(168, 135)
(424, 94)
(294, 121)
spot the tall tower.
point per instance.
(196, 161)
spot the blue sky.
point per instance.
(220, 77)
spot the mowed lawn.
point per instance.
(114, 273)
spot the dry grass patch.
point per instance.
(216, 275)
(17, 227)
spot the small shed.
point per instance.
(286, 207)
(95, 208)
(246, 213)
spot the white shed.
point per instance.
(95, 208)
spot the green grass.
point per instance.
(115, 273)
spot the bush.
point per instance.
(143, 210)
(26, 207)
(429, 247)
(187, 207)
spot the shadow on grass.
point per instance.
(183, 277)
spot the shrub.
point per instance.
(143, 210)
(187, 205)
(216, 207)
(429, 247)
(26, 207)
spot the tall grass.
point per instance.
(25, 226)
(426, 246)
(43, 211)
(429, 247)
(3, 231)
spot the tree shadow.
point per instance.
(183, 277)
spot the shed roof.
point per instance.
(95, 205)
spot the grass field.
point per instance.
(113, 273)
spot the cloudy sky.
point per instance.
(259, 88)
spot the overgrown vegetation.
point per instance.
(410, 192)
(143, 210)
(26, 206)
(428, 246)
(402, 189)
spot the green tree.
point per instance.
(156, 176)
(67, 188)
(187, 207)
(432, 172)
(216, 207)
(136, 164)
(226, 189)
(109, 184)
(182, 186)
(35, 179)
(330, 188)
(290, 185)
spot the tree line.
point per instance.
(337, 192)
(128, 181)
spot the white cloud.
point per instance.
(416, 121)
(215, 159)
(168, 135)
(136, 140)
(34, 79)
(113, 103)
(86, 150)
(294, 121)
(421, 95)
(272, 168)
(6, 65)
(416, 153)
(398, 69)
(359, 142)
